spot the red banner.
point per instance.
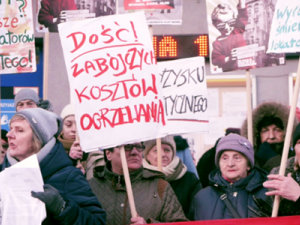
(150, 4)
(286, 220)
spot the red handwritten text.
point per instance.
(117, 65)
(106, 36)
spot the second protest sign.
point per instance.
(185, 95)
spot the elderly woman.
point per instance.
(68, 138)
(184, 183)
(67, 195)
(287, 187)
(232, 184)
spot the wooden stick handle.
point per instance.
(127, 182)
(77, 139)
(288, 135)
(249, 107)
(46, 66)
(159, 157)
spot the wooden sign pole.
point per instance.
(46, 65)
(288, 135)
(158, 140)
(159, 157)
(127, 182)
(249, 107)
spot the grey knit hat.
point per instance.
(26, 94)
(44, 124)
(169, 140)
(237, 143)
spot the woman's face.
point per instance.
(297, 150)
(233, 165)
(166, 154)
(20, 140)
(69, 128)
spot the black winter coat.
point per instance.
(185, 189)
(82, 205)
(207, 204)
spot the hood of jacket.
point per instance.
(253, 181)
(54, 161)
(266, 109)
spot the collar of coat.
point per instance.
(118, 181)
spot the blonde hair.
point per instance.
(36, 143)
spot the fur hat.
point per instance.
(237, 143)
(26, 94)
(68, 110)
(44, 124)
(266, 110)
(168, 140)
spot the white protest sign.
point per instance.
(17, 182)
(185, 95)
(285, 30)
(114, 80)
(17, 48)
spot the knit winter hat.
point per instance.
(237, 143)
(168, 140)
(44, 124)
(296, 135)
(26, 94)
(68, 110)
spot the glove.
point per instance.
(45, 104)
(51, 197)
(263, 208)
(264, 153)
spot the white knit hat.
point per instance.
(68, 110)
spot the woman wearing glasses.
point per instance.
(184, 183)
(232, 185)
(154, 198)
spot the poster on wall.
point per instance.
(7, 112)
(157, 12)
(239, 36)
(114, 80)
(51, 13)
(149, 4)
(17, 44)
(185, 95)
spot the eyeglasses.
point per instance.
(139, 148)
(221, 26)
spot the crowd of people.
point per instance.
(234, 179)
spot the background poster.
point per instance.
(7, 111)
(159, 16)
(285, 28)
(241, 39)
(68, 10)
(17, 48)
(113, 79)
(149, 4)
